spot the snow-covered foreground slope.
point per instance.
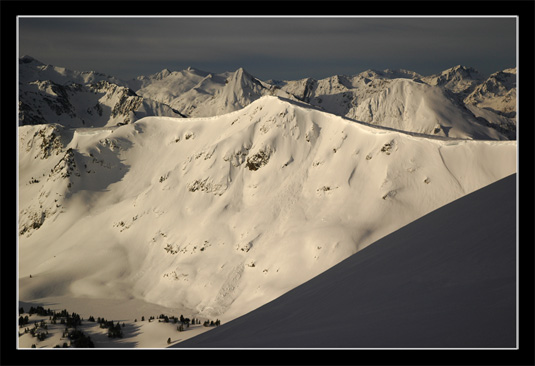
(447, 280)
(219, 215)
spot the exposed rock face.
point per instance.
(258, 160)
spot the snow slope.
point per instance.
(446, 280)
(218, 215)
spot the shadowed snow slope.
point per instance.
(223, 214)
(445, 280)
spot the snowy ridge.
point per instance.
(219, 215)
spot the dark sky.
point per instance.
(270, 47)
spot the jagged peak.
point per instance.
(242, 73)
(503, 72)
(462, 70)
(165, 72)
(458, 67)
(242, 77)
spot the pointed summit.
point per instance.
(241, 81)
(467, 72)
(241, 73)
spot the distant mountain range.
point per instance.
(458, 102)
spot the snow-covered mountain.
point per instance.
(494, 100)
(497, 93)
(398, 99)
(458, 102)
(458, 79)
(197, 93)
(221, 214)
(50, 94)
(405, 100)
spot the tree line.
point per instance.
(71, 320)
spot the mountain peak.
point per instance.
(162, 74)
(463, 71)
(241, 72)
(242, 77)
(26, 59)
